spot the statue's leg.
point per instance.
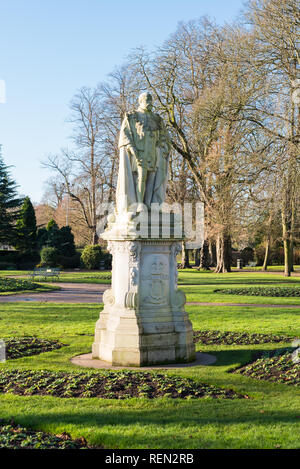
(141, 183)
(149, 187)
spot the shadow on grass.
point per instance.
(193, 424)
(239, 357)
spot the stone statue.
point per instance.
(143, 321)
(144, 151)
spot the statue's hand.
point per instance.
(138, 158)
(164, 151)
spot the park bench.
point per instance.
(251, 264)
(45, 273)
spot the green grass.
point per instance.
(199, 287)
(185, 277)
(269, 419)
(272, 268)
(66, 277)
(193, 277)
(206, 294)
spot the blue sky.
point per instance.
(50, 48)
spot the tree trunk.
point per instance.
(266, 259)
(204, 256)
(95, 238)
(223, 248)
(292, 255)
(212, 253)
(185, 260)
(292, 236)
(197, 257)
(286, 244)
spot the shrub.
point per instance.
(60, 238)
(7, 266)
(19, 260)
(247, 254)
(11, 257)
(91, 257)
(49, 257)
(28, 260)
(107, 257)
(70, 262)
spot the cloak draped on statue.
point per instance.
(133, 136)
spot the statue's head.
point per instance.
(145, 101)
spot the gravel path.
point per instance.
(69, 293)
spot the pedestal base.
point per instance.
(144, 321)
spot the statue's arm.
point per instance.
(164, 139)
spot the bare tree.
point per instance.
(87, 171)
(276, 26)
(203, 82)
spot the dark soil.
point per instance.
(18, 347)
(108, 385)
(261, 291)
(13, 284)
(13, 436)
(237, 338)
(278, 366)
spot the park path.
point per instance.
(93, 293)
(69, 293)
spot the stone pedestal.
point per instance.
(143, 321)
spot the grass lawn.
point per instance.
(200, 286)
(270, 419)
(272, 268)
(193, 277)
(185, 277)
(206, 294)
(66, 277)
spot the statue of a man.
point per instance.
(144, 150)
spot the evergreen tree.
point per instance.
(52, 225)
(42, 238)
(53, 235)
(9, 206)
(26, 227)
(60, 238)
(67, 245)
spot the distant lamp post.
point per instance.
(68, 206)
(67, 209)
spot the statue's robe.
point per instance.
(144, 134)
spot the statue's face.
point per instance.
(145, 101)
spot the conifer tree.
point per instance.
(9, 205)
(26, 227)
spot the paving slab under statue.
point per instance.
(143, 321)
(85, 360)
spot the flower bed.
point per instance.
(18, 347)
(261, 291)
(13, 284)
(237, 338)
(14, 436)
(277, 366)
(108, 385)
